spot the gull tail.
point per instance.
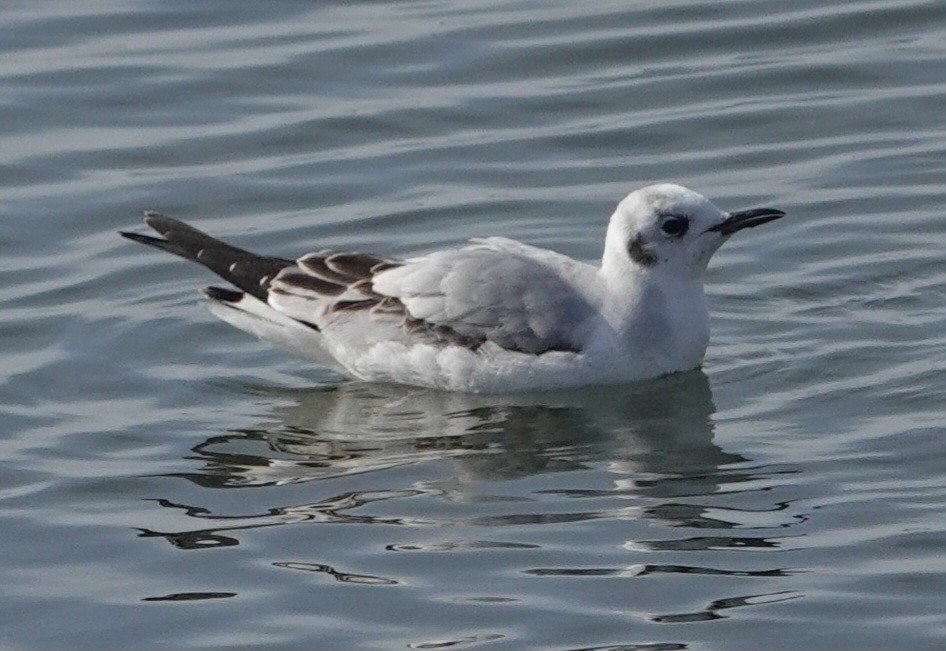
(250, 314)
(247, 309)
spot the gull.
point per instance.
(491, 316)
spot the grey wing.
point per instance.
(515, 296)
(494, 290)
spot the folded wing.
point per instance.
(495, 290)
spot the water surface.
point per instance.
(169, 481)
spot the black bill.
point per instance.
(746, 219)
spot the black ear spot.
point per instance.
(639, 252)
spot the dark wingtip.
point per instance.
(138, 237)
(162, 223)
(222, 294)
(154, 220)
(240, 267)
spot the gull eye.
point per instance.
(675, 225)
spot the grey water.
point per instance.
(168, 481)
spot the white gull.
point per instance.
(494, 315)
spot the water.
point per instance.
(169, 482)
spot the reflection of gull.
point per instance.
(464, 483)
(653, 440)
(656, 427)
(492, 316)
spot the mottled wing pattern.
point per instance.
(493, 290)
(332, 284)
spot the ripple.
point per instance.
(644, 570)
(344, 577)
(462, 641)
(713, 610)
(192, 596)
(461, 545)
(647, 646)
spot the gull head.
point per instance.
(670, 229)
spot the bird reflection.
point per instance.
(654, 439)
(648, 430)
(436, 463)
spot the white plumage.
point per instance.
(494, 315)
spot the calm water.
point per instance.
(168, 481)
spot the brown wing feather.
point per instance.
(333, 274)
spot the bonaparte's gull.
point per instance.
(491, 316)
